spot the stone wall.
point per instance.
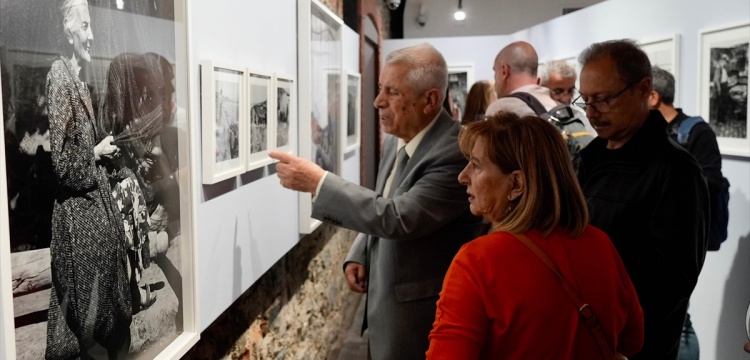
(299, 309)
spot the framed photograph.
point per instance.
(460, 80)
(353, 110)
(224, 121)
(286, 113)
(723, 86)
(262, 119)
(664, 52)
(319, 132)
(96, 235)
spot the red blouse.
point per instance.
(500, 301)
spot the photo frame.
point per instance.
(261, 119)
(352, 110)
(460, 80)
(664, 52)
(286, 113)
(723, 85)
(133, 57)
(319, 64)
(224, 121)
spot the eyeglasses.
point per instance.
(601, 106)
(560, 91)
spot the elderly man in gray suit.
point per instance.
(417, 218)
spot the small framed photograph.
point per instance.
(286, 114)
(223, 116)
(352, 111)
(723, 86)
(664, 52)
(460, 80)
(261, 118)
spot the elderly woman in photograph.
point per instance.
(499, 299)
(90, 307)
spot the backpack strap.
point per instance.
(584, 309)
(530, 100)
(683, 131)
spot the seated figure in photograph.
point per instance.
(499, 297)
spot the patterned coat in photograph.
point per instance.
(90, 300)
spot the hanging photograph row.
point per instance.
(245, 114)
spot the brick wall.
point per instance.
(299, 309)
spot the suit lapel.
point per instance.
(440, 128)
(386, 165)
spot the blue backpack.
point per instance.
(720, 201)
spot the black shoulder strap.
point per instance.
(530, 100)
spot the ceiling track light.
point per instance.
(459, 15)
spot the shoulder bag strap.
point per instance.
(584, 309)
(530, 100)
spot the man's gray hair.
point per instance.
(427, 67)
(631, 62)
(663, 83)
(559, 67)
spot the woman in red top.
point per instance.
(499, 300)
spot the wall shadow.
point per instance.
(731, 332)
(211, 191)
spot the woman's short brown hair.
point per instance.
(552, 196)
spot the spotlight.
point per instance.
(459, 15)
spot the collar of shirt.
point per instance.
(411, 146)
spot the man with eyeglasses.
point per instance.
(515, 71)
(643, 190)
(560, 78)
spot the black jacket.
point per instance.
(651, 198)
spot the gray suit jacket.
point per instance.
(408, 240)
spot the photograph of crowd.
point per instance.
(728, 91)
(92, 162)
(326, 90)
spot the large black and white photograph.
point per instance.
(261, 118)
(724, 86)
(353, 87)
(223, 104)
(460, 78)
(728, 103)
(93, 152)
(284, 113)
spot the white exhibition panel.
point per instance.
(246, 224)
(720, 299)
(242, 228)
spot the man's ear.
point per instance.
(517, 185)
(654, 100)
(645, 86)
(432, 100)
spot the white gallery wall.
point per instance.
(247, 223)
(719, 301)
(483, 17)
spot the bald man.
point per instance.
(515, 71)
